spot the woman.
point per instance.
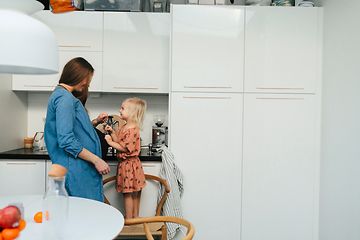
(70, 137)
(83, 96)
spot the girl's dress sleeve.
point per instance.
(130, 140)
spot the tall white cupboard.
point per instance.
(248, 145)
(206, 114)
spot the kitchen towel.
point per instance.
(174, 177)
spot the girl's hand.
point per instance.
(109, 129)
(108, 138)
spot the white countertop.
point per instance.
(88, 219)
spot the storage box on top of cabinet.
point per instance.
(115, 5)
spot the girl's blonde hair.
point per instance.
(137, 108)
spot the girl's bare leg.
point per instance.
(129, 205)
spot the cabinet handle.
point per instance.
(207, 87)
(208, 97)
(281, 88)
(21, 163)
(148, 165)
(51, 86)
(279, 98)
(136, 87)
(76, 46)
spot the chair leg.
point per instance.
(163, 232)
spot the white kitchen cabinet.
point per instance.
(283, 49)
(280, 167)
(148, 195)
(48, 82)
(75, 31)
(19, 177)
(207, 48)
(136, 52)
(79, 34)
(206, 139)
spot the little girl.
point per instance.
(130, 174)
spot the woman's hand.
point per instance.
(101, 166)
(100, 119)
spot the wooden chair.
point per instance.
(158, 229)
(163, 219)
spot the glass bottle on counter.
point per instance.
(55, 209)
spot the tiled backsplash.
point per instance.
(97, 103)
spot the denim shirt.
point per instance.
(68, 130)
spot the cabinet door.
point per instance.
(149, 195)
(75, 31)
(207, 48)
(280, 167)
(48, 82)
(21, 177)
(115, 198)
(206, 139)
(282, 49)
(136, 52)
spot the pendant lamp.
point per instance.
(27, 46)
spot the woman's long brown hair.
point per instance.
(75, 71)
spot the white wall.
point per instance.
(13, 120)
(340, 165)
(97, 103)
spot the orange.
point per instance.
(22, 224)
(1, 238)
(38, 217)
(10, 233)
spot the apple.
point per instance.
(9, 217)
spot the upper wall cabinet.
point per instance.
(79, 34)
(207, 52)
(136, 52)
(48, 82)
(282, 49)
(75, 31)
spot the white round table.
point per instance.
(88, 219)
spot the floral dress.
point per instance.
(130, 173)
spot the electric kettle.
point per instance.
(39, 142)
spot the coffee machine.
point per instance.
(159, 132)
(159, 136)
